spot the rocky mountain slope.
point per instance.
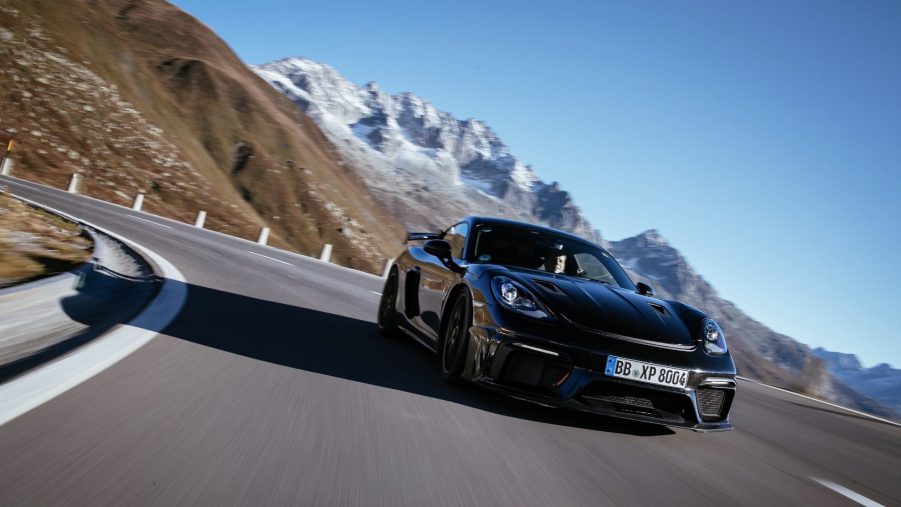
(138, 96)
(881, 382)
(424, 165)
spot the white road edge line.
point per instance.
(811, 398)
(151, 221)
(847, 493)
(270, 258)
(26, 183)
(33, 389)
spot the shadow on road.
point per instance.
(103, 299)
(351, 349)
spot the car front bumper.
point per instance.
(571, 375)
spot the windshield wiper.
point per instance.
(583, 277)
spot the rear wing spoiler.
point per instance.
(421, 236)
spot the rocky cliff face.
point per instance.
(423, 162)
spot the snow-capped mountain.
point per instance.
(403, 145)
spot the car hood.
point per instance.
(601, 307)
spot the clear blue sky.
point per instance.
(762, 138)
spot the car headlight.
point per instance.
(714, 338)
(514, 296)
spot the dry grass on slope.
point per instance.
(35, 244)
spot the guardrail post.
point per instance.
(326, 253)
(74, 183)
(201, 218)
(264, 236)
(387, 270)
(6, 168)
(139, 202)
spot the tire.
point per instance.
(387, 317)
(455, 338)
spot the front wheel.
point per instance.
(455, 339)
(387, 318)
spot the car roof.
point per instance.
(480, 220)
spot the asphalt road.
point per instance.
(272, 386)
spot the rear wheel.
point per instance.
(387, 318)
(455, 339)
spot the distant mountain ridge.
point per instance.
(881, 382)
(426, 167)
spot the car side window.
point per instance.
(456, 236)
(589, 266)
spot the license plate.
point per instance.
(640, 371)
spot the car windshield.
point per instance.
(543, 251)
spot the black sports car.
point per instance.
(549, 317)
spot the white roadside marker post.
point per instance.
(74, 183)
(139, 202)
(264, 236)
(326, 253)
(201, 218)
(6, 167)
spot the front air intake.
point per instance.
(711, 402)
(637, 400)
(533, 370)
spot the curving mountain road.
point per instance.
(272, 386)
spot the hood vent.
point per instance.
(544, 284)
(659, 308)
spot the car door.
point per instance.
(436, 280)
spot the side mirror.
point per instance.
(441, 249)
(438, 247)
(644, 289)
(419, 236)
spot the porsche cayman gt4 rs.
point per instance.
(549, 317)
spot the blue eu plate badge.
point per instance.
(611, 366)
